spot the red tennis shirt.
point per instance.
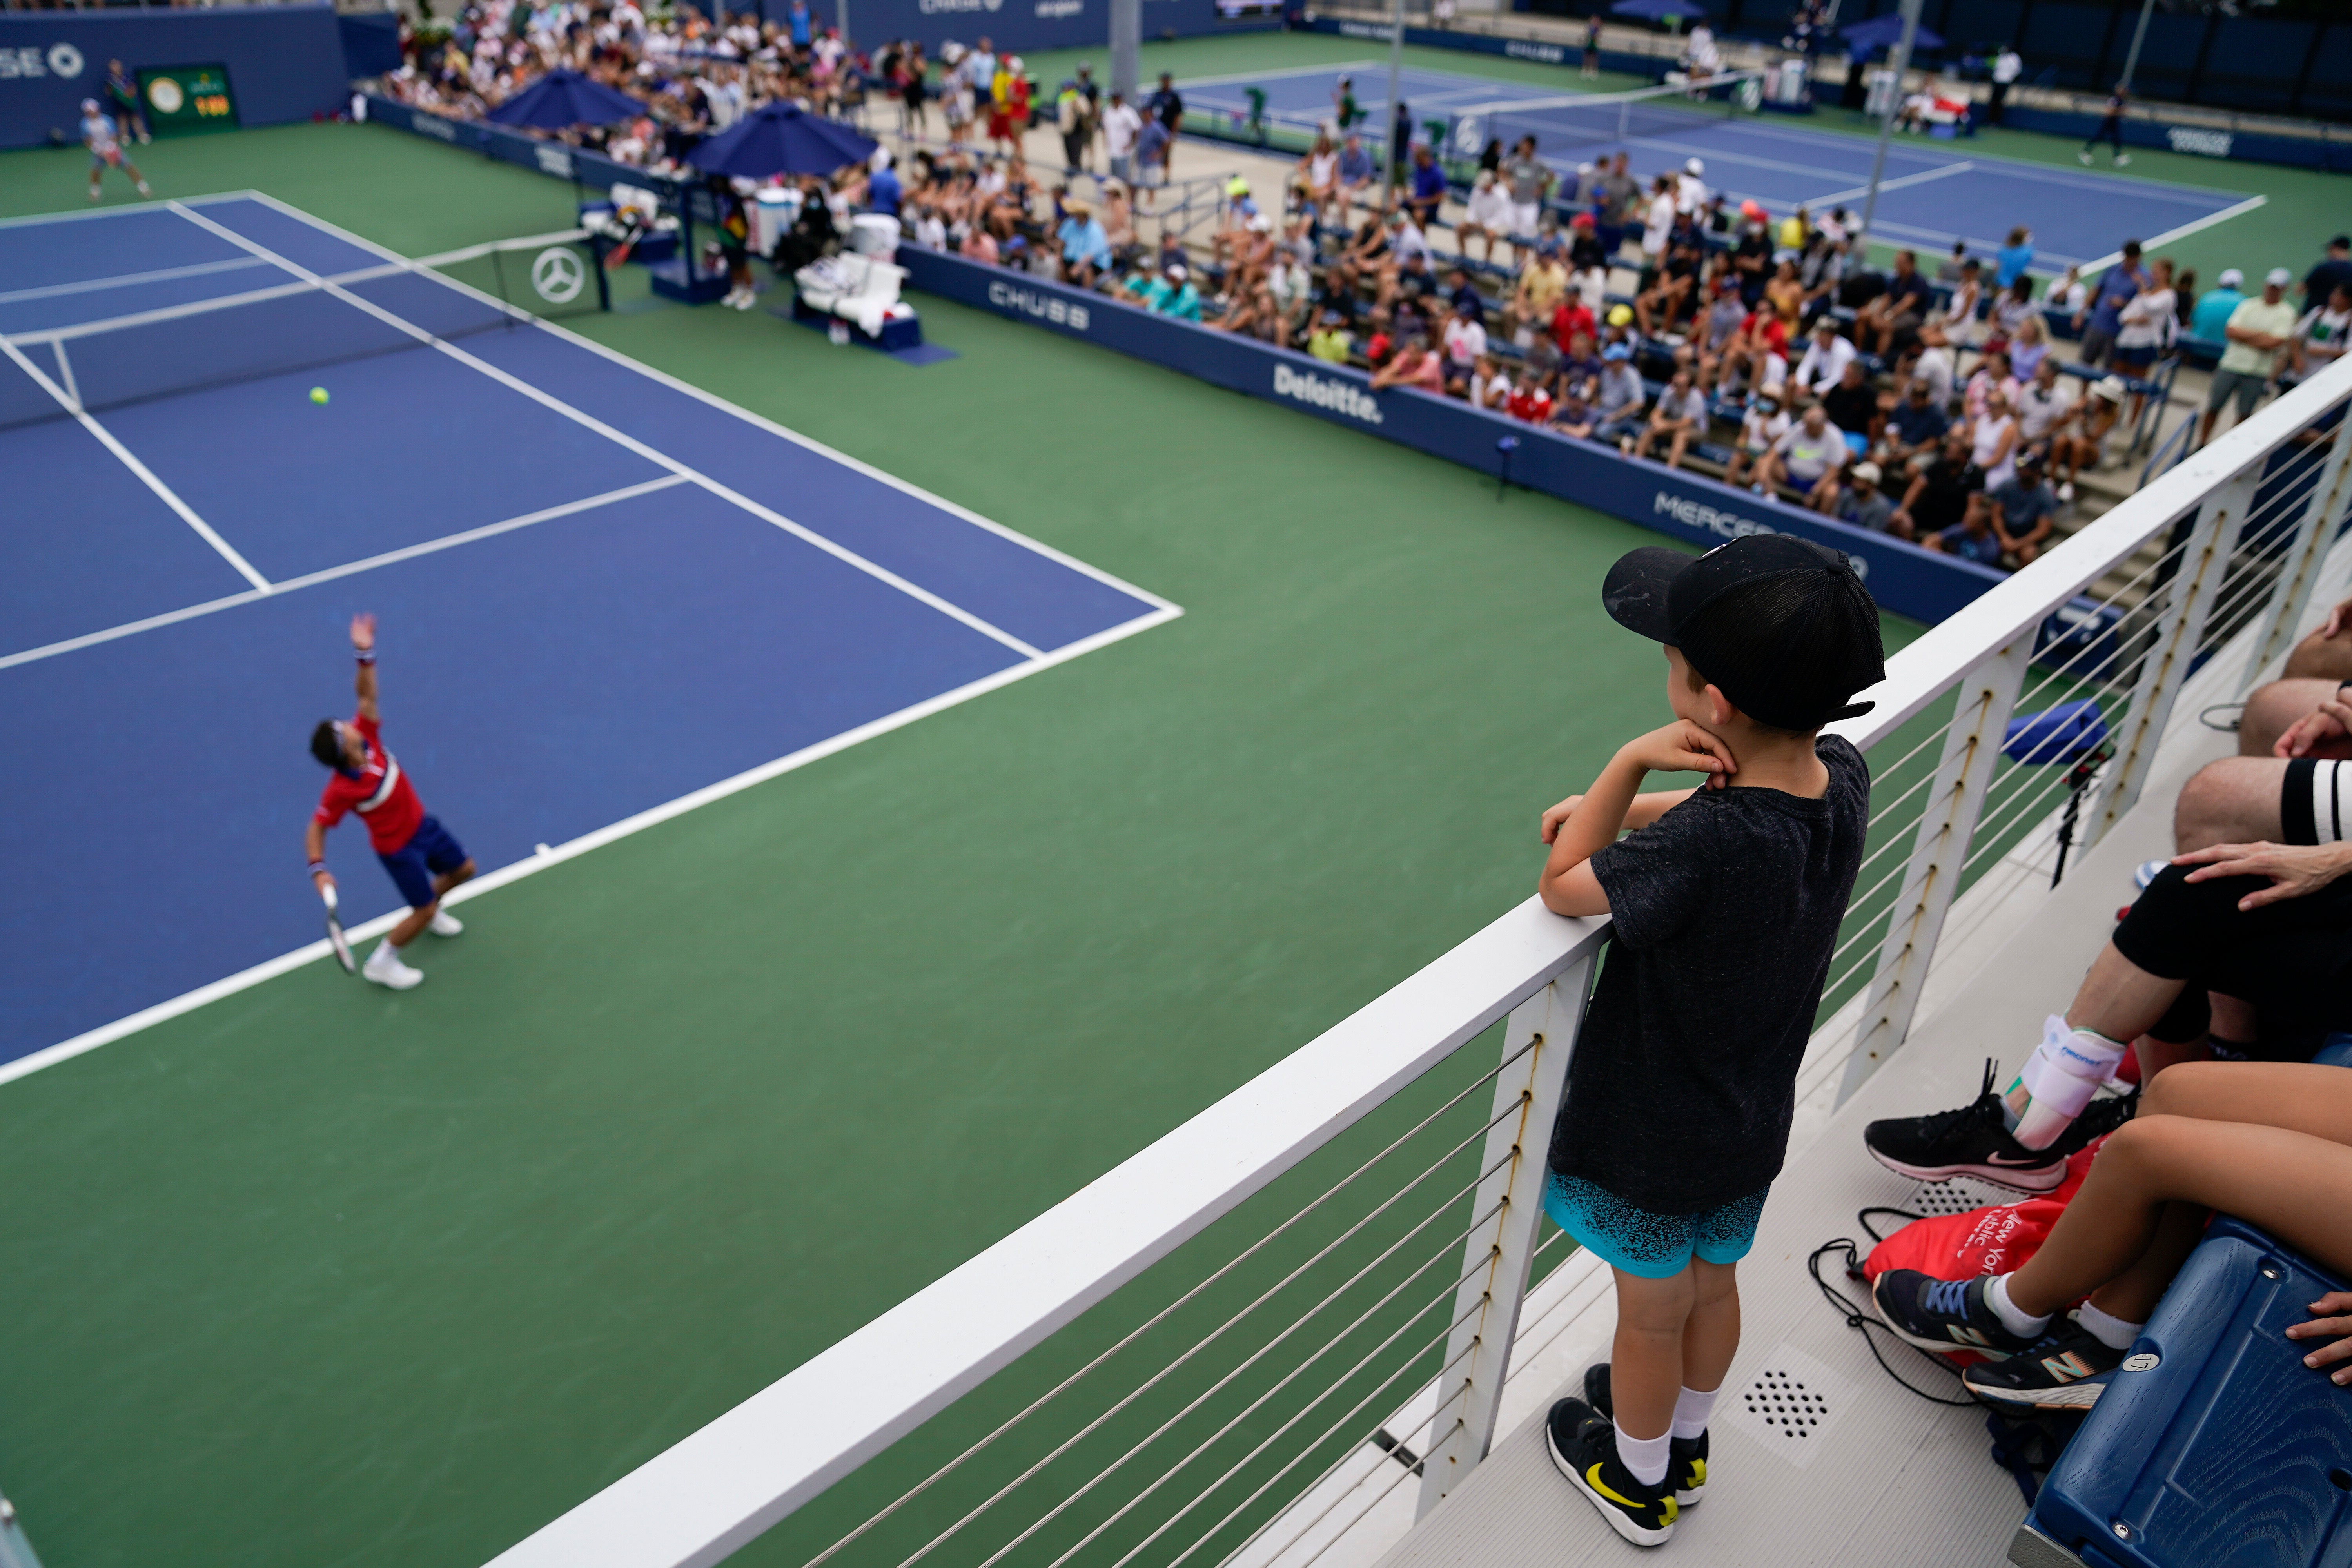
(380, 793)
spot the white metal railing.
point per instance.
(1202, 1389)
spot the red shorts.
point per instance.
(999, 125)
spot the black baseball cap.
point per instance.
(1781, 626)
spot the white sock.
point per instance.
(1645, 1456)
(1691, 1411)
(2106, 1328)
(2017, 1321)
(385, 952)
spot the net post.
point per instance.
(1541, 1033)
(2292, 594)
(1955, 804)
(2179, 627)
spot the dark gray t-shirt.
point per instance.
(1726, 908)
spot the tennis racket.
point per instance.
(335, 937)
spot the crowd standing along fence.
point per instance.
(1303, 1301)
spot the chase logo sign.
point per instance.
(1044, 307)
(936, 8)
(432, 125)
(2204, 143)
(555, 161)
(1323, 391)
(1550, 54)
(25, 64)
(1053, 9)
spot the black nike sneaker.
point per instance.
(1943, 1314)
(1973, 1140)
(1584, 1445)
(2066, 1369)
(2099, 1117)
(1685, 1456)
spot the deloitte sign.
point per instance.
(1339, 397)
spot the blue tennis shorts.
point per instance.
(1650, 1246)
(431, 850)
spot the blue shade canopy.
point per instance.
(1659, 10)
(1888, 30)
(781, 140)
(562, 98)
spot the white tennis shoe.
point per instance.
(384, 967)
(447, 924)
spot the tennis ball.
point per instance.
(318, 394)
(1619, 315)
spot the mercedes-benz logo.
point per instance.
(558, 276)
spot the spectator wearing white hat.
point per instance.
(2257, 331)
(1690, 193)
(2209, 318)
(2086, 445)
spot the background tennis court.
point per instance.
(1934, 192)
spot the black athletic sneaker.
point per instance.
(1943, 1314)
(1584, 1445)
(2066, 1369)
(1973, 1140)
(2099, 1117)
(1685, 1456)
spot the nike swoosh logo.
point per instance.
(2029, 1160)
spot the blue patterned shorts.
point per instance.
(1650, 1246)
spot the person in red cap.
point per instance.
(1725, 900)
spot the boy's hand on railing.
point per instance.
(1682, 747)
(2339, 1304)
(2294, 869)
(1554, 816)
(2331, 720)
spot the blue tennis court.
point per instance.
(1933, 193)
(605, 595)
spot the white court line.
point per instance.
(758, 421)
(349, 569)
(286, 963)
(125, 279)
(66, 374)
(164, 493)
(1921, 178)
(1344, 68)
(2169, 235)
(842, 553)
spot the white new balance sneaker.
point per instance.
(384, 967)
(447, 924)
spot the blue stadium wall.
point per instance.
(284, 62)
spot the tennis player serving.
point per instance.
(423, 858)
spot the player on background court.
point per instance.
(100, 135)
(424, 860)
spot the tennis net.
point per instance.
(297, 328)
(1585, 120)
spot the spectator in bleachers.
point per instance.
(1763, 423)
(1947, 271)
(1974, 537)
(1678, 419)
(1821, 272)
(1963, 329)
(1529, 181)
(2024, 512)
(2044, 405)
(1937, 498)
(1618, 393)
(1543, 284)
(1486, 217)
(1414, 365)
(2103, 318)
(1672, 291)
(1824, 361)
(1330, 341)
(2333, 272)
(1993, 440)
(1712, 333)
(1465, 346)
(2028, 348)
(1862, 504)
(1853, 406)
(1808, 457)
(2258, 331)
(2012, 260)
(1900, 309)
(1085, 247)
(1530, 401)
(1935, 364)
(1914, 429)
(1427, 192)
(1572, 413)
(1318, 171)
(1620, 196)
(2320, 336)
(1992, 376)
(2145, 327)
(1490, 388)
(2265, 1142)
(2209, 318)
(1355, 172)
(1657, 223)
(2084, 446)
(1758, 359)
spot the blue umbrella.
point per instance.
(1887, 30)
(562, 98)
(781, 140)
(1659, 10)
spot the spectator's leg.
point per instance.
(1676, 448)
(2263, 1141)
(2236, 800)
(2322, 658)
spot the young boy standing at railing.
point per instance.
(1727, 900)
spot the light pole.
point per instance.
(2139, 36)
(1898, 59)
(1396, 70)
